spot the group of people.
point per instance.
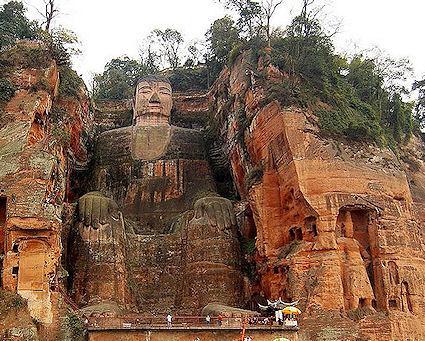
(219, 319)
(169, 320)
(255, 320)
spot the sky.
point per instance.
(109, 29)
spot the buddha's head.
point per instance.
(152, 101)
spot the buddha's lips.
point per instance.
(155, 106)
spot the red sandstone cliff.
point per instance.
(338, 225)
(43, 138)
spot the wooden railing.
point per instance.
(180, 322)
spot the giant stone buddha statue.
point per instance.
(152, 180)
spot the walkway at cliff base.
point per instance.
(184, 328)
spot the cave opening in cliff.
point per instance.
(3, 212)
(36, 132)
(355, 223)
(392, 303)
(360, 219)
(406, 299)
(295, 233)
(362, 302)
(310, 224)
(393, 272)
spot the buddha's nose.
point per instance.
(155, 98)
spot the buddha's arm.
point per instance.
(111, 148)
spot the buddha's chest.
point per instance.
(149, 143)
(157, 181)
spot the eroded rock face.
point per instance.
(34, 182)
(336, 223)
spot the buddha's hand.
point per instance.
(219, 211)
(95, 208)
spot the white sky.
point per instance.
(110, 29)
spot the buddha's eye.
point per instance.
(145, 90)
(165, 91)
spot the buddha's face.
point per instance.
(153, 98)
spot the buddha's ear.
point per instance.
(133, 106)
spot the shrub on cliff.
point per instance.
(7, 90)
(24, 56)
(9, 300)
(60, 43)
(72, 328)
(359, 104)
(70, 82)
(189, 78)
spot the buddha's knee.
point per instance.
(217, 210)
(95, 209)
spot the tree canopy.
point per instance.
(118, 79)
(420, 105)
(356, 98)
(15, 25)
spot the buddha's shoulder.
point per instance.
(186, 143)
(122, 133)
(185, 134)
(114, 144)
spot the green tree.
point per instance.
(420, 104)
(249, 13)
(62, 43)
(399, 119)
(15, 25)
(149, 53)
(118, 79)
(364, 95)
(196, 53)
(364, 76)
(306, 51)
(170, 42)
(222, 37)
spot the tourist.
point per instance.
(220, 319)
(208, 319)
(169, 320)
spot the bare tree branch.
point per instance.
(269, 8)
(50, 12)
